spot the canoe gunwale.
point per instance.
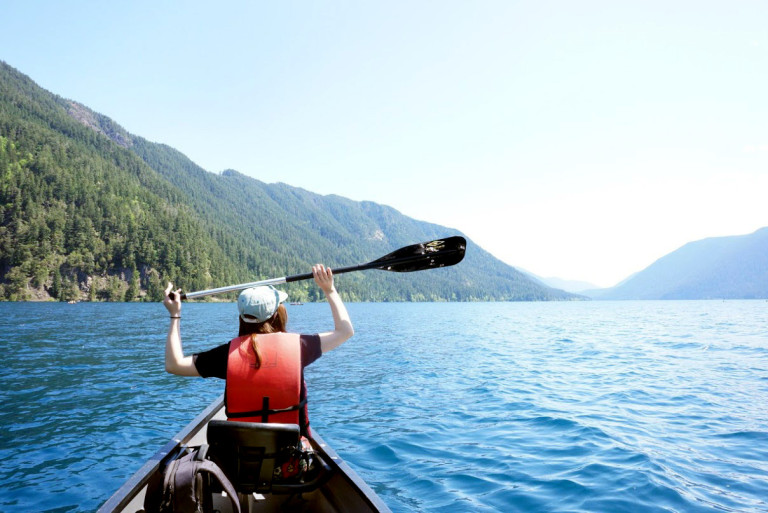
(123, 496)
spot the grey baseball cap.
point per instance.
(259, 304)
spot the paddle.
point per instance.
(416, 257)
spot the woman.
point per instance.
(264, 365)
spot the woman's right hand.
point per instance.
(323, 278)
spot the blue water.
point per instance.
(594, 407)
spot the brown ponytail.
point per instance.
(255, 345)
(274, 325)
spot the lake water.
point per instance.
(587, 406)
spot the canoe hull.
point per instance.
(344, 491)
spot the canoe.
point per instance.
(343, 489)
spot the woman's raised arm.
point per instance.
(175, 361)
(342, 324)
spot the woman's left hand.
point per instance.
(172, 305)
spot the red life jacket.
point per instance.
(270, 392)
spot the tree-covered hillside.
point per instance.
(90, 211)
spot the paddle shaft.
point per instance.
(299, 277)
(417, 257)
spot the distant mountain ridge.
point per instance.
(90, 211)
(734, 267)
(574, 286)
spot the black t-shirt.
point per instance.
(213, 364)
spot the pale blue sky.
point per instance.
(575, 139)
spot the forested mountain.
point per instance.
(716, 268)
(90, 211)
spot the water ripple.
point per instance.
(583, 407)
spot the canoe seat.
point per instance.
(247, 453)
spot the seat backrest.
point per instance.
(246, 451)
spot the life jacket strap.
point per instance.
(265, 411)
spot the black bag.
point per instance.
(183, 486)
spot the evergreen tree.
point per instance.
(133, 288)
(56, 290)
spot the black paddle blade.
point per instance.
(426, 255)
